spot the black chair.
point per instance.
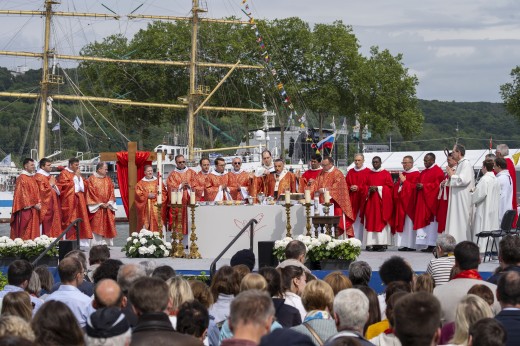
(505, 228)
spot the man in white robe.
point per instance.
(485, 198)
(462, 181)
(506, 187)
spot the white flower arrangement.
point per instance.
(146, 244)
(322, 247)
(26, 249)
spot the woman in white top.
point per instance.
(293, 283)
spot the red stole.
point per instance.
(468, 274)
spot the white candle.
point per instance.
(173, 197)
(192, 198)
(327, 196)
(307, 196)
(159, 176)
(159, 195)
(287, 197)
(179, 197)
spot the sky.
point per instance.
(461, 50)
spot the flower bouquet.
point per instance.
(27, 249)
(146, 244)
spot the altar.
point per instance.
(218, 225)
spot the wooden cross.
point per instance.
(132, 180)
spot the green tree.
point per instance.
(510, 93)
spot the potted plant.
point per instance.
(31, 249)
(146, 244)
(9, 250)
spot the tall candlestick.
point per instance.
(326, 196)
(192, 198)
(287, 197)
(307, 196)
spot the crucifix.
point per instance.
(132, 180)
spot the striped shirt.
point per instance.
(440, 269)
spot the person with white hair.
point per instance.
(350, 313)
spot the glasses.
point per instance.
(237, 163)
(179, 162)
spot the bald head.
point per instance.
(107, 293)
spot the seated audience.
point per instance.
(18, 276)
(417, 319)
(34, 287)
(126, 276)
(202, 294)
(241, 270)
(393, 269)
(424, 283)
(97, 255)
(508, 294)
(108, 294)
(149, 297)
(163, 272)
(508, 256)
(245, 257)
(487, 332)
(11, 325)
(12, 340)
(293, 283)
(317, 299)
(470, 310)
(86, 286)
(46, 280)
(467, 259)
(359, 273)
(17, 304)
(251, 317)
(108, 326)
(55, 325)
(374, 312)
(337, 281)
(224, 287)
(440, 266)
(288, 316)
(285, 337)
(72, 275)
(193, 319)
(350, 314)
(295, 253)
(179, 292)
(108, 269)
(387, 336)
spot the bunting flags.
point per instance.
(76, 124)
(267, 60)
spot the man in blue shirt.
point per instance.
(71, 275)
(18, 275)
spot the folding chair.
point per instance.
(505, 228)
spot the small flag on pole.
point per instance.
(56, 127)
(76, 124)
(6, 161)
(327, 142)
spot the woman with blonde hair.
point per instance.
(17, 304)
(11, 325)
(253, 281)
(179, 292)
(317, 299)
(338, 281)
(470, 309)
(424, 282)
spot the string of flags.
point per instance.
(270, 66)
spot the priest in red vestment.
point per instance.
(240, 181)
(331, 179)
(146, 199)
(443, 197)
(503, 151)
(262, 174)
(425, 221)
(356, 179)
(377, 212)
(217, 183)
(280, 181)
(404, 205)
(308, 177)
(101, 201)
(50, 213)
(72, 188)
(25, 216)
(180, 179)
(199, 182)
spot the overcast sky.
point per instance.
(460, 50)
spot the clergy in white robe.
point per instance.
(462, 181)
(485, 198)
(506, 187)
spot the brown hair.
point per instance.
(149, 295)
(11, 325)
(483, 292)
(49, 324)
(374, 311)
(424, 282)
(338, 281)
(201, 293)
(241, 270)
(17, 304)
(46, 278)
(225, 281)
(318, 295)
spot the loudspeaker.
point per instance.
(66, 246)
(265, 254)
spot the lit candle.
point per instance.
(192, 198)
(173, 197)
(307, 196)
(159, 195)
(327, 196)
(287, 197)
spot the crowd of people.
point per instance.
(105, 302)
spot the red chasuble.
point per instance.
(404, 199)
(50, 213)
(174, 180)
(306, 176)
(103, 220)
(237, 180)
(357, 198)
(25, 219)
(73, 205)
(377, 212)
(213, 181)
(146, 210)
(442, 209)
(199, 185)
(427, 199)
(286, 182)
(334, 182)
(512, 173)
